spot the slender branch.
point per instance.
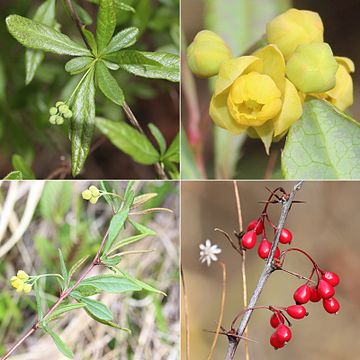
(186, 314)
(63, 296)
(268, 269)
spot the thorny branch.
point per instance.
(268, 269)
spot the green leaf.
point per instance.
(122, 40)
(87, 290)
(95, 307)
(45, 14)
(129, 140)
(173, 152)
(158, 137)
(63, 268)
(39, 308)
(108, 85)
(323, 144)
(110, 262)
(19, 164)
(59, 343)
(34, 35)
(116, 225)
(62, 309)
(89, 36)
(153, 65)
(143, 285)
(109, 323)
(142, 229)
(106, 23)
(77, 266)
(82, 121)
(115, 284)
(110, 65)
(14, 175)
(78, 65)
(83, 14)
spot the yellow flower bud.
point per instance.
(20, 287)
(94, 200)
(22, 275)
(94, 191)
(206, 53)
(293, 28)
(312, 68)
(27, 288)
(15, 282)
(86, 194)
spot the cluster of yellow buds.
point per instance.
(92, 194)
(59, 112)
(20, 282)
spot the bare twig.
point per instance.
(229, 239)
(269, 268)
(186, 314)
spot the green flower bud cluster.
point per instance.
(59, 112)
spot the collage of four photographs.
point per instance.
(179, 179)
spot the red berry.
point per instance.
(331, 305)
(302, 294)
(248, 241)
(314, 297)
(325, 290)
(283, 333)
(256, 225)
(275, 342)
(277, 253)
(296, 311)
(332, 278)
(264, 248)
(276, 319)
(285, 236)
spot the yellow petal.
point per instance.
(22, 275)
(261, 88)
(219, 113)
(265, 132)
(27, 288)
(20, 287)
(15, 281)
(344, 61)
(94, 191)
(270, 110)
(86, 194)
(273, 64)
(230, 70)
(94, 200)
(291, 109)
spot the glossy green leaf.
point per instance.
(94, 307)
(323, 144)
(78, 65)
(45, 14)
(59, 343)
(115, 284)
(108, 85)
(19, 164)
(122, 40)
(34, 35)
(119, 5)
(158, 137)
(82, 121)
(106, 23)
(89, 36)
(153, 65)
(14, 175)
(173, 152)
(63, 309)
(110, 65)
(129, 140)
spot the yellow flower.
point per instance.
(312, 68)
(293, 28)
(342, 94)
(206, 53)
(252, 94)
(19, 282)
(86, 194)
(22, 275)
(92, 194)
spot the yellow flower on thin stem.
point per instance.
(20, 282)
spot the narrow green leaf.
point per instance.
(143, 285)
(110, 261)
(62, 309)
(78, 65)
(19, 164)
(82, 121)
(129, 140)
(95, 307)
(89, 36)
(158, 137)
(173, 152)
(14, 175)
(122, 40)
(34, 35)
(87, 290)
(323, 144)
(40, 311)
(115, 284)
(123, 6)
(83, 14)
(110, 65)
(116, 225)
(108, 85)
(45, 14)
(77, 266)
(153, 65)
(127, 241)
(142, 229)
(109, 323)
(106, 23)
(59, 343)
(63, 268)
(142, 199)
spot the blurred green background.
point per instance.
(326, 226)
(241, 23)
(37, 218)
(24, 110)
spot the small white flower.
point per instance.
(208, 252)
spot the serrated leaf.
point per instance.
(14, 175)
(122, 40)
(106, 23)
(129, 140)
(158, 137)
(115, 284)
(37, 36)
(59, 343)
(116, 225)
(323, 144)
(154, 65)
(173, 152)
(108, 85)
(95, 307)
(63, 268)
(82, 121)
(19, 164)
(62, 309)
(78, 65)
